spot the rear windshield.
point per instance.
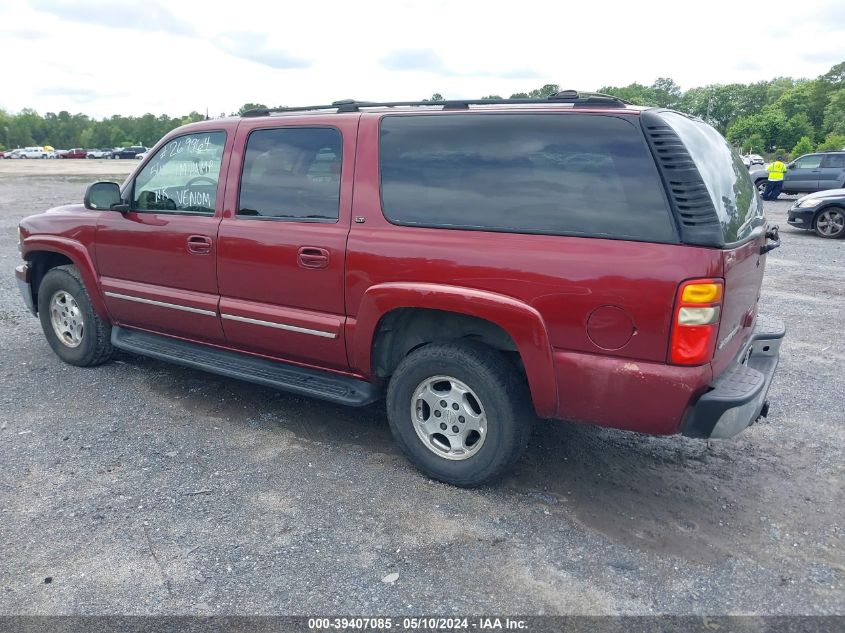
(562, 174)
(738, 206)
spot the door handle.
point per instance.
(199, 244)
(313, 257)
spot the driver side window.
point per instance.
(809, 162)
(182, 176)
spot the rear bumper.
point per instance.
(23, 277)
(737, 398)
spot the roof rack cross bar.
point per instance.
(350, 105)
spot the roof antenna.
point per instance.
(206, 113)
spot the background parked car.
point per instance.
(809, 173)
(130, 152)
(99, 153)
(822, 212)
(29, 152)
(77, 152)
(750, 160)
(142, 155)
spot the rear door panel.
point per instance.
(281, 280)
(832, 174)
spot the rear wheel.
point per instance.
(77, 335)
(830, 223)
(459, 411)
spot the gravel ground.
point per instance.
(139, 487)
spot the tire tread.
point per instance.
(102, 349)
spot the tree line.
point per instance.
(780, 116)
(65, 130)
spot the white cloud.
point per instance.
(132, 57)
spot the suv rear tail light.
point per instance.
(696, 321)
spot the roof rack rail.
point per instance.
(350, 105)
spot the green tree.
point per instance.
(834, 113)
(249, 106)
(546, 91)
(634, 93)
(491, 97)
(435, 97)
(754, 145)
(86, 137)
(666, 93)
(799, 126)
(803, 146)
(836, 75)
(832, 142)
(4, 129)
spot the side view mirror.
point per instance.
(104, 196)
(790, 166)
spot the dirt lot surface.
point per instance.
(66, 167)
(139, 487)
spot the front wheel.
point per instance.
(459, 411)
(77, 335)
(830, 223)
(761, 186)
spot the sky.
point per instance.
(102, 57)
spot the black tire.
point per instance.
(837, 215)
(95, 347)
(761, 186)
(501, 392)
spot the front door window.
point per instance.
(808, 162)
(182, 176)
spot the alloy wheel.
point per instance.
(66, 318)
(830, 223)
(448, 417)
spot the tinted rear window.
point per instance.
(833, 160)
(739, 208)
(564, 174)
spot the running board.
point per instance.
(299, 380)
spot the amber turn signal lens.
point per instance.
(702, 293)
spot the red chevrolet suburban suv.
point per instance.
(478, 263)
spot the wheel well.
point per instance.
(403, 330)
(42, 262)
(836, 207)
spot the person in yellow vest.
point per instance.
(775, 184)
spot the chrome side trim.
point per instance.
(160, 304)
(279, 326)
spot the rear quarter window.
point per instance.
(734, 197)
(548, 173)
